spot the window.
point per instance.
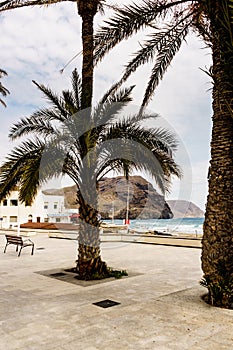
(58, 220)
(46, 205)
(55, 205)
(13, 218)
(46, 219)
(4, 202)
(13, 203)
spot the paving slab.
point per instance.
(160, 302)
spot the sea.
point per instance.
(182, 225)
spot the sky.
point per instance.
(36, 43)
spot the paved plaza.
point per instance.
(160, 305)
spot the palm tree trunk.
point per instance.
(87, 9)
(217, 252)
(89, 263)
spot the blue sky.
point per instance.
(37, 42)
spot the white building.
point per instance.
(45, 208)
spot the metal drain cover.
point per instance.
(106, 303)
(58, 274)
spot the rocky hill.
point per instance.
(144, 201)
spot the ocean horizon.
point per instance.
(177, 225)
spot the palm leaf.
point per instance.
(137, 157)
(69, 102)
(111, 105)
(2, 72)
(56, 102)
(13, 4)
(13, 170)
(3, 90)
(77, 88)
(163, 60)
(140, 147)
(32, 125)
(127, 21)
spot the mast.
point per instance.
(127, 221)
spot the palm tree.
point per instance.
(3, 90)
(85, 145)
(170, 21)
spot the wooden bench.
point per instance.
(19, 242)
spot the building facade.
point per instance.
(45, 208)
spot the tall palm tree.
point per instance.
(3, 91)
(170, 21)
(85, 145)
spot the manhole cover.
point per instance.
(106, 303)
(58, 274)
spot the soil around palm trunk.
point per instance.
(207, 299)
(107, 273)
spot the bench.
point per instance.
(19, 242)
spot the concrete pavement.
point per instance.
(160, 302)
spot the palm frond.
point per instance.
(71, 167)
(163, 60)
(123, 95)
(52, 161)
(9, 178)
(32, 124)
(230, 7)
(151, 138)
(3, 90)
(13, 4)
(140, 147)
(2, 72)
(78, 125)
(29, 181)
(69, 102)
(110, 106)
(48, 114)
(150, 47)
(137, 156)
(106, 165)
(77, 88)
(101, 5)
(227, 20)
(12, 172)
(53, 99)
(39, 169)
(129, 20)
(2, 102)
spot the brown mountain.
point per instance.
(144, 201)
